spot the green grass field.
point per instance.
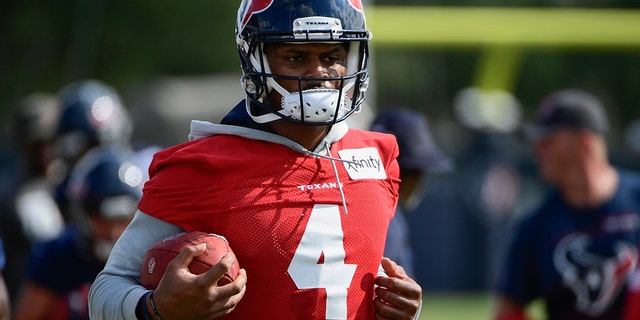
(456, 306)
(464, 306)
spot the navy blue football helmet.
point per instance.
(107, 181)
(103, 191)
(92, 114)
(302, 21)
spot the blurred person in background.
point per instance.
(577, 251)
(418, 156)
(28, 211)
(92, 114)
(104, 188)
(5, 304)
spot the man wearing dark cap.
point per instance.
(418, 155)
(577, 251)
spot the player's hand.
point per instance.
(184, 295)
(397, 295)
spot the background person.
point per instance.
(28, 211)
(104, 189)
(284, 179)
(578, 250)
(418, 156)
(92, 114)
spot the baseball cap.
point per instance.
(417, 148)
(568, 109)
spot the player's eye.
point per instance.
(332, 59)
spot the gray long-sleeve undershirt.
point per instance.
(117, 290)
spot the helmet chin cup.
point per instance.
(314, 105)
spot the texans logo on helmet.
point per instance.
(256, 6)
(356, 4)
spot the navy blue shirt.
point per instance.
(578, 261)
(67, 266)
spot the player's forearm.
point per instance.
(114, 297)
(117, 290)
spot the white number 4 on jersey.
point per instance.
(323, 234)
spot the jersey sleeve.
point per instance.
(175, 189)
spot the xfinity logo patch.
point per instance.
(363, 163)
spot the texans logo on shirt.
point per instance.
(595, 278)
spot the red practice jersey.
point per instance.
(282, 212)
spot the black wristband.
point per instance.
(142, 313)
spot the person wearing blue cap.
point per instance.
(577, 251)
(418, 155)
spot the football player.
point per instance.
(29, 213)
(92, 114)
(104, 188)
(303, 199)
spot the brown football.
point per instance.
(162, 252)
